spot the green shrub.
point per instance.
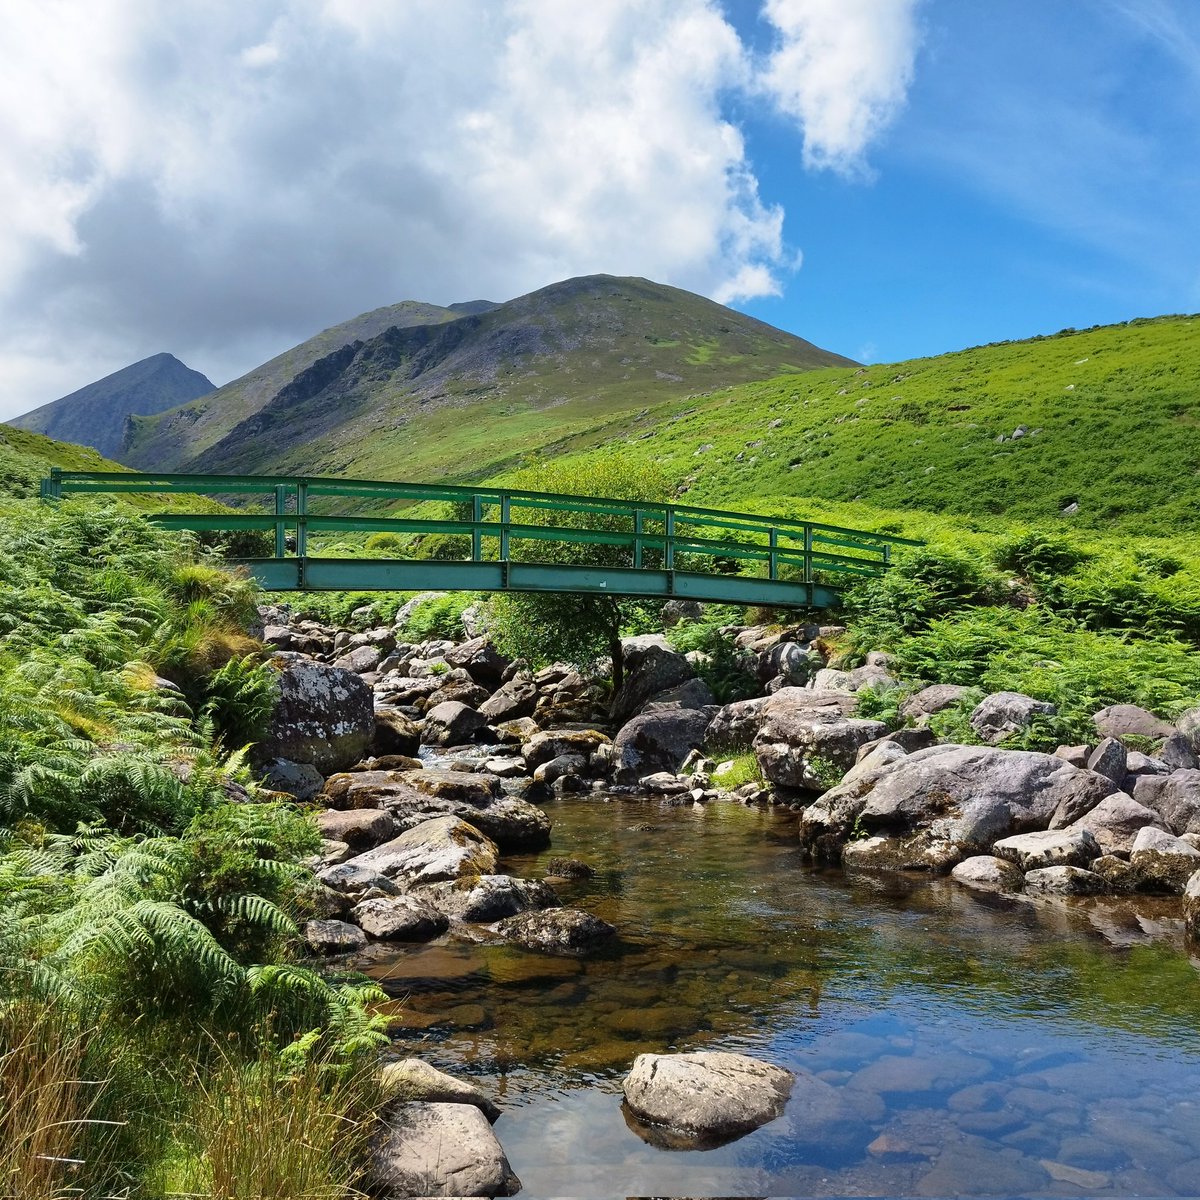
(439, 617)
(729, 672)
(239, 700)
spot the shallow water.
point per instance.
(977, 1045)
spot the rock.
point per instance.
(1188, 724)
(1109, 758)
(323, 716)
(969, 796)
(1178, 801)
(480, 659)
(790, 661)
(933, 699)
(986, 873)
(542, 747)
(692, 693)
(1064, 881)
(663, 783)
(396, 733)
(515, 825)
(569, 868)
(430, 1149)
(361, 660)
(359, 828)
(795, 746)
(462, 787)
(399, 919)
(301, 781)
(333, 937)
(1120, 720)
(1162, 862)
(658, 741)
(516, 698)
(704, 1099)
(914, 853)
(352, 880)
(451, 723)
(651, 667)
(410, 1079)
(1003, 714)
(1077, 756)
(482, 899)
(1191, 907)
(1178, 753)
(441, 848)
(674, 611)
(830, 680)
(1117, 872)
(1115, 822)
(735, 725)
(1050, 848)
(907, 740)
(558, 930)
(556, 768)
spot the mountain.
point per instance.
(164, 442)
(95, 415)
(461, 395)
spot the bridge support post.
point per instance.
(808, 555)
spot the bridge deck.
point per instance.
(611, 547)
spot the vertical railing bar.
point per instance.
(808, 556)
(773, 558)
(477, 532)
(280, 524)
(638, 530)
(669, 538)
(301, 518)
(505, 522)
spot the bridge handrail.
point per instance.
(818, 548)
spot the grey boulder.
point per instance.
(1116, 821)
(1162, 862)
(399, 919)
(1064, 881)
(333, 937)
(438, 849)
(1049, 848)
(658, 741)
(556, 930)
(1120, 720)
(1003, 714)
(409, 1079)
(986, 873)
(703, 1099)
(323, 716)
(451, 723)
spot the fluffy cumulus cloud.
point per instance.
(222, 179)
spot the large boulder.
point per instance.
(301, 781)
(796, 747)
(516, 698)
(792, 662)
(968, 796)
(431, 1149)
(705, 1098)
(542, 747)
(736, 724)
(986, 873)
(480, 659)
(1121, 720)
(451, 723)
(1177, 801)
(692, 693)
(1116, 821)
(441, 848)
(333, 937)
(323, 716)
(360, 828)
(1003, 714)
(399, 919)
(651, 667)
(658, 741)
(1064, 881)
(1162, 862)
(556, 930)
(932, 699)
(482, 899)
(872, 676)
(396, 732)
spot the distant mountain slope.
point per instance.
(1097, 429)
(95, 415)
(168, 440)
(459, 398)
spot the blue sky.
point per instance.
(887, 178)
(1043, 173)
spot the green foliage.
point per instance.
(729, 672)
(241, 696)
(744, 769)
(882, 704)
(438, 617)
(825, 771)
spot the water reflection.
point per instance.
(965, 1044)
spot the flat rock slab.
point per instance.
(1049, 848)
(703, 1099)
(433, 1149)
(441, 848)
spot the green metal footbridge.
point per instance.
(489, 539)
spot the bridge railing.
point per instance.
(508, 525)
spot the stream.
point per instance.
(979, 1045)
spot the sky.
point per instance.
(886, 178)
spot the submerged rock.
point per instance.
(434, 1149)
(704, 1098)
(557, 930)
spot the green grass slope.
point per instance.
(465, 397)
(95, 415)
(1110, 421)
(163, 441)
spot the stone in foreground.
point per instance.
(428, 1149)
(986, 873)
(334, 937)
(410, 1079)
(556, 930)
(704, 1099)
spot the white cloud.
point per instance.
(842, 69)
(220, 179)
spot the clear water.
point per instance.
(977, 1045)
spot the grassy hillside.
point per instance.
(163, 441)
(1110, 420)
(95, 415)
(534, 370)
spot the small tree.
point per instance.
(579, 629)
